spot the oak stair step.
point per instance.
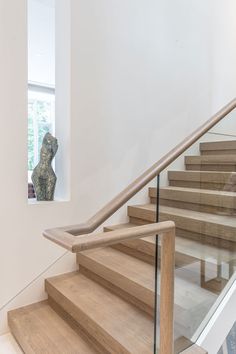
(214, 180)
(39, 329)
(117, 325)
(136, 278)
(216, 226)
(196, 199)
(187, 251)
(127, 274)
(218, 148)
(211, 163)
(145, 248)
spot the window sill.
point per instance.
(34, 201)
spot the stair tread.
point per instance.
(39, 329)
(197, 199)
(211, 159)
(132, 268)
(224, 178)
(114, 316)
(190, 247)
(217, 226)
(125, 267)
(200, 191)
(224, 220)
(203, 175)
(218, 145)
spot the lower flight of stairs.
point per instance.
(107, 306)
(82, 316)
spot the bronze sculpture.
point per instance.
(43, 177)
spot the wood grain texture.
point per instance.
(90, 340)
(40, 330)
(218, 147)
(187, 251)
(223, 199)
(212, 159)
(135, 278)
(218, 152)
(111, 286)
(216, 226)
(203, 200)
(213, 180)
(167, 293)
(126, 272)
(103, 239)
(116, 324)
(211, 163)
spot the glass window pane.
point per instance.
(41, 119)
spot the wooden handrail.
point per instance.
(104, 239)
(59, 235)
(167, 292)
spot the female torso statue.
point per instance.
(43, 176)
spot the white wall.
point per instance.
(24, 253)
(141, 79)
(224, 50)
(63, 98)
(41, 41)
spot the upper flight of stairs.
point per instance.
(107, 306)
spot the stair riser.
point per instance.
(202, 228)
(198, 201)
(138, 248)
(196, 237)
(225, 147)
(203, 185)
(181, 259)
(72, 323)
(203, 180)
(137, 295)
(211, 167)
(192, 225)
(218, 152)
(116, 290)
(146, 251)
(144, 215)
(196, 207)
(131, 250)
(39, 329)
(205, 239)
(25, 346)
(142, 294)
(81, 318)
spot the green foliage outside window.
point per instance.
(39, 123)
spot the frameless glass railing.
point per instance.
(198, 193)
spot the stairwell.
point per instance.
(107, 306)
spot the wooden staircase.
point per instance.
(107, 306)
